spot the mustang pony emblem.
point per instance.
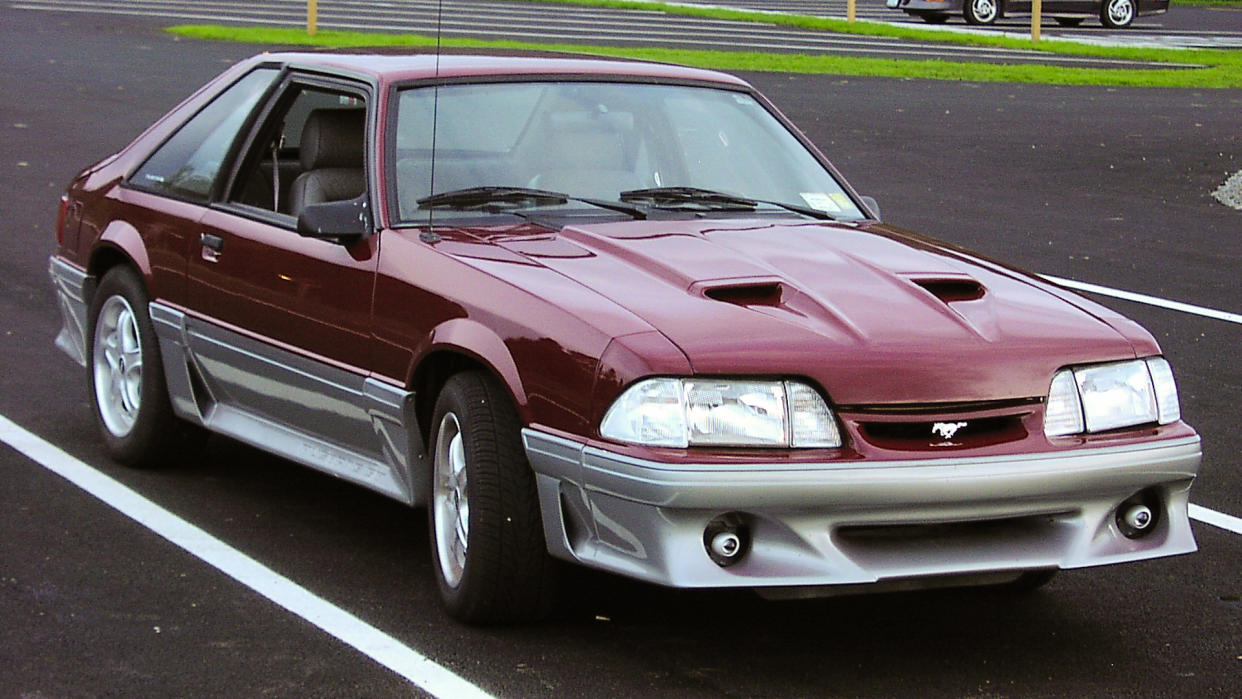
(946, 430)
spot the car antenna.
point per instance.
(435, 109)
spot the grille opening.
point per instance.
(949, 434)
(904, 549)
(765, 294)
(952, 290)
(906, 536)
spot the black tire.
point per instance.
(126, 373)
(981, 12)
(493, 566)
(1068, 21)
(933, 17)
(1118, 14)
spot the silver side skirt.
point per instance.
(342, 423)
(70, 283)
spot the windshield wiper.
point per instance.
(710, 200)
(484, 197)
(505, 199)
(676, 197)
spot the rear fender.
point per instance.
(121, 238)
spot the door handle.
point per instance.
(213, 242)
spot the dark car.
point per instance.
(1114, 14)
(618, 314)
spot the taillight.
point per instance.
(60, 219)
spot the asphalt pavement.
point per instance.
(1104, 185)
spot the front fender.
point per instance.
(472, 339)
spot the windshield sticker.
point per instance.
(821, 201)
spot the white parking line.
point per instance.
(425, 673)
(1216, 519)
(1149, 300)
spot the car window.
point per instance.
(729, 143)
(599, 139)
(187, 164)
(485, 118)
(309, 150)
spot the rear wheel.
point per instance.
(126, 375)
(491, 561)
(981, 11)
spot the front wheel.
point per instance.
(126, 375)
(980, 12)
(1117, 14)
(490, 559)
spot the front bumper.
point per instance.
(860, 523)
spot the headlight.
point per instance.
(1108, 396)
(719, 412)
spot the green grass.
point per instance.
(1231, 4)
(1219, 69)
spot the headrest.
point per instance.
(333, 138)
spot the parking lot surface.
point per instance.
(562, 23)
(1107, 186)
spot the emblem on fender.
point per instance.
(946, 430)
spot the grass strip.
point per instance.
(1221, 69)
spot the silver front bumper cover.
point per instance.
(837, 524)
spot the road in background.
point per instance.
(1110, 186)
(560, 23)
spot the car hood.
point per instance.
(874, 314)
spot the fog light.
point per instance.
(726, 544)
(1137, 517)
(727, 539)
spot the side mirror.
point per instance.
(872, 205)
(342, 221)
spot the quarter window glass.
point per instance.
(187, 165)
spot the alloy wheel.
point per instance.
(450, 502)
(117, 361)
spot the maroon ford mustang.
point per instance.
(618, 314)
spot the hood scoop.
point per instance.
(952, 289)
(750, 292)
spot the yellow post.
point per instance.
(850, 6)
(312, 16)
(1037, 8)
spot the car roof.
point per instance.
(391, 67)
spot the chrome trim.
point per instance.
(343, 423)
(71, 283)
(843, 524)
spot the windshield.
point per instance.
(596, 140)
